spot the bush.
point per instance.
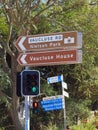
(77, 110)
(2, 128)
(87, 126)
(50, 127)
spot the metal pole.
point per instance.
(64, 109)
(27, 111)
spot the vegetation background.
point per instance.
(29, 17)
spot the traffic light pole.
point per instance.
(27, 111)
(30, 86)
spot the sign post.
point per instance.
(27, 111)
(65, 94)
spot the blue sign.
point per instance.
(52, 104)
(55, 79)
(60, 78)
(53, 108)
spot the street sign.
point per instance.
(50, 58)
(52, 97)
(55, 79)
(64, 85)
(66, 94)
(52, 104)
(53, 41)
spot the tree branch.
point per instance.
(43, 10)
(2, 94)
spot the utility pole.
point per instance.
(27, 110)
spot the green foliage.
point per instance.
(2, 128)
(87, 126)
(4, 80)
(5, 119)
(82, 81)
(77, 110)
(3, 25)
(5, 84)
(50, 127)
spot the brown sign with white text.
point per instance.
(50, 58)
(54, 41)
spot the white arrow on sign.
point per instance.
(64, 85)
(22, 59)
(20, 44)
(66, 94)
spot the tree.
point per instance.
(23, 17)
(18, 17)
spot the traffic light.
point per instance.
(30, 82)
(35, 107)
(18, 84)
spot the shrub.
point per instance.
(50, 127)
(88, 126)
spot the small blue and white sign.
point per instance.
(55, 79)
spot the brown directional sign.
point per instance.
(52, 41)
(50, 58)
